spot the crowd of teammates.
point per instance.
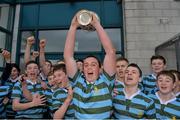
(87, 89)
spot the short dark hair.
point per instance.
(60, 67)
(49, 62)
(136, 66)
(99, 62)
(167, 73)
(122, 59)
(79, 60)
(31, 62)
(154, 57)
(16, 66)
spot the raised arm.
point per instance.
(110, 57)
(71, 66)
(29, 43)
(7, 71)
(44, 67)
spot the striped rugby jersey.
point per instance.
(49, 93)
(9, 82)
(34, 88)
(168, 110)
(149, 84)
(140, 106)
(93, 101)
(4, 90)
(58, 98)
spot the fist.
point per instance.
(30, 40)
(35, 54)
(6, 54)
(42, 43)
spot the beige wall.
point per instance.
(149, 23)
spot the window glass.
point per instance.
(85, 40)
(2, 45)
(4, 14)
(25, 35)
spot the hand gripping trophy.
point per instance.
(84, 18)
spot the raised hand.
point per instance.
(35, 54)
(7, 56)
(70, 94)
(74, 21)
(30, 40)
(42, 43)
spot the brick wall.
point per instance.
(149, 23)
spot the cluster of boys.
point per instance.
(71, 89)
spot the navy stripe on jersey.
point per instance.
(149, 84)
(139, 107)
(171, 110)
(4, 90)
(93, 100)
(58, 98)
(35, 112)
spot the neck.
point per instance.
(166, 97)
(130, 90)
(120, 79)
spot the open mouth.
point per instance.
(129, 79)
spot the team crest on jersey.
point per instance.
(140, 114)
(96, 90)
(173, 118)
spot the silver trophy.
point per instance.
(84, 18)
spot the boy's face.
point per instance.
(132, 76)
(121, 68)
(14, 73)
(32, 71)
(157, 65)
(91, 69)
(51, 80)
(165, 84)
(47, 66)
(59, 76)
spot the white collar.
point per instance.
(29, 81)
(14, 80)
(130, 97)
(166, 102)
(42, 76)
(154, 76)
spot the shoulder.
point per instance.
(146, 98)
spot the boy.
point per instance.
(131, 103)
(158, 64)
(92, 89)
(166, 104)
(63, 94)
(24, 107)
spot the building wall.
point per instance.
(149, 23)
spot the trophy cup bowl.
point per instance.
(84, 18)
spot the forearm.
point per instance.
(27, 53)
(6, 72)
(42, 57)
(17, 106)
(104, 38)
(59, 114)
(70, 43)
